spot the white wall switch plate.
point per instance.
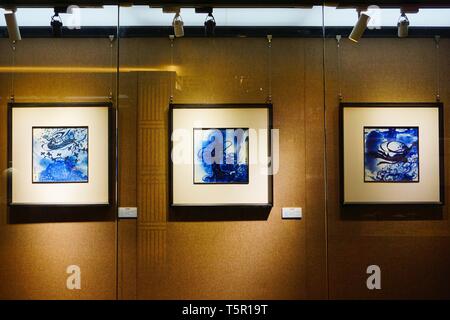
(291, 213)
(128, 212)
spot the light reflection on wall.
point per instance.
(48, 69)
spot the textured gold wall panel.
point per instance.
(232, 259)
(34, 256)
(411, 253)
(153, 98)
(270, 259)
(127, 228)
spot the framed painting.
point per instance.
(220, 155)
(392, 153)
(60, 154)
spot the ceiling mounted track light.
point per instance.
(12, 26)
(178, 25)
(403, 26)
(210, 22)
(57, 25)
(56, 21)
(360, 26)
(210, 25)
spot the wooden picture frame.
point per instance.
(227, 109)
(371, 115)
(108, 119)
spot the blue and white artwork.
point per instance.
(60, 155)
(391, 154)
(221, 156)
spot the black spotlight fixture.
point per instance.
(210, 22)
(56, 22)
(210, 25)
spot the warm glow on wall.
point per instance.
(48, 69)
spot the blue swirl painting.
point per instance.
(391, 154)
(221, 156)
(60, 155)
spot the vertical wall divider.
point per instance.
(117, 147)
